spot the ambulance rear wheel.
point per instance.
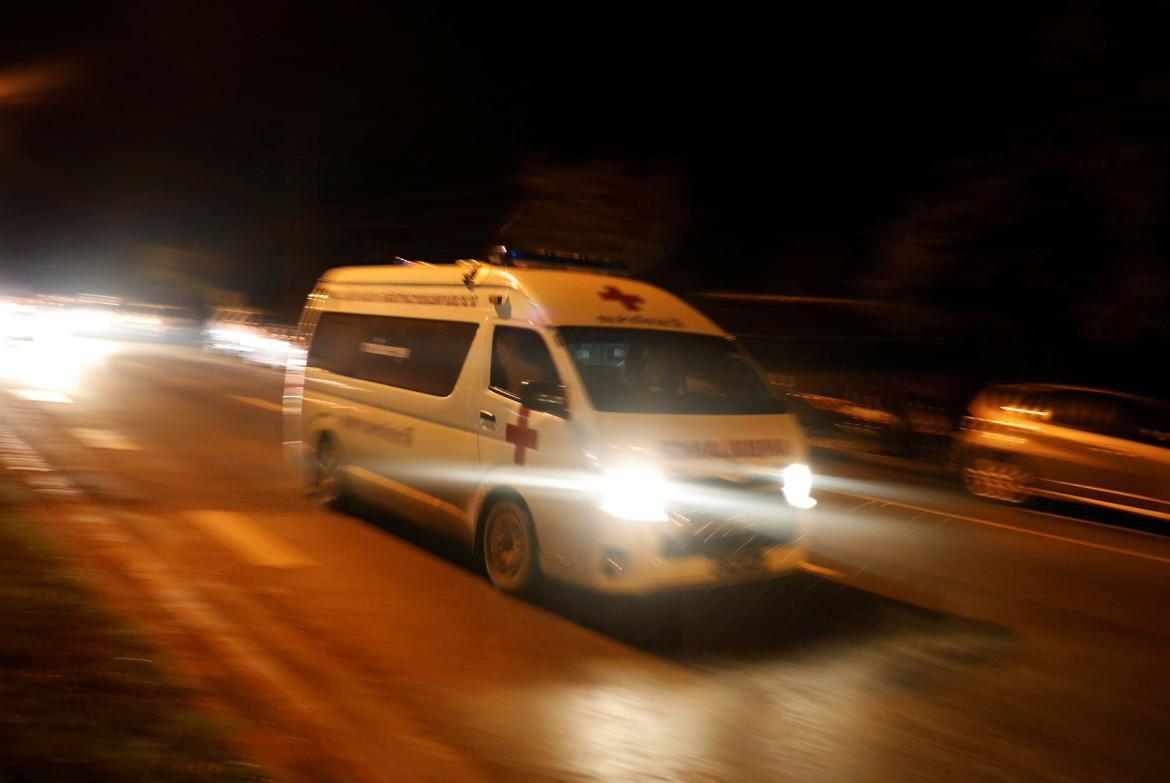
(509, 548)
(328, 483)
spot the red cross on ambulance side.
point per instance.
(523, 436)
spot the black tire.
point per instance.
(509, 549)
(1000, 477)
(326, 478)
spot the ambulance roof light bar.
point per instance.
(502, 255)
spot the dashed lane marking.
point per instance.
(38, 475)
(104, 439)
(236, 650)
(40, 395)
(253, 542)
(267, 405)
(232, 646)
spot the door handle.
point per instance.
(487, 420)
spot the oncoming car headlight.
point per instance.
(637, 494)
(798, 486)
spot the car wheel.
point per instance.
(998, 477)
(327, 481)
(509, 548)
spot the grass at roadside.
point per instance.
(81, 697)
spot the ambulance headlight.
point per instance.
(637, 494)
(798, 486)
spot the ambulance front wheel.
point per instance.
(509, 548)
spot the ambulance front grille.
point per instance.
(698, 532)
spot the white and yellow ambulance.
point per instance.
(566, 424)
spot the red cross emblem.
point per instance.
(612, 293)
(522, 435)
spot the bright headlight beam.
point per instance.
(798, 486)
(637, 494)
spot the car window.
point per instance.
(1088, 412)
(418, 354)
(334, 346)
(648, 371)
(519, 355)
(1146, 422)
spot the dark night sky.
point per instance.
(799, 129)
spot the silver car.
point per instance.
(1071, 443)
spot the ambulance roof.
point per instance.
(557, 297)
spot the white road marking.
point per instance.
(233, 647)
(52, 484)
(1013, 528)
(267, 405)
(38, 475)
(104, 439)
(1091, 523)
(40, 395)
(253, 542)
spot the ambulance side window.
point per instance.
(519, 355)
(419, 354)
(334, 346)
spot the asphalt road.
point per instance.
(957, 640)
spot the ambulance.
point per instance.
(563, 423)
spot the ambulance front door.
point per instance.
(528, 451)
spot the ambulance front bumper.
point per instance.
(692, 551)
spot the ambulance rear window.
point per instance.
(648, 371)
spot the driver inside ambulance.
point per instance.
(654, 368)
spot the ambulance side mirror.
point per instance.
(544, 397)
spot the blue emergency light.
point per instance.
(520, 258)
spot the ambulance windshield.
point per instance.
(644, 371)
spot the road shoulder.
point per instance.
(84, 694)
